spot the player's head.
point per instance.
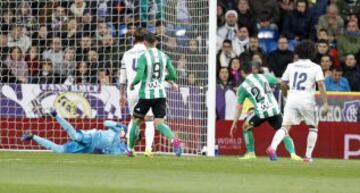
(246, 68)
(138, 36)
(305, 50)
(149, 39)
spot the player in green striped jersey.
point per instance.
(256, 87)
(151, 73)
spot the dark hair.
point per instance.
(138, 36)
(322, 41)
(337, 68)
(46, 61)
(218, 73)
(150, 38)
(227, 41)
(302, 1)
(305, 50)
(13, 48)
(330, 57)
(246, 67)
(324, 30)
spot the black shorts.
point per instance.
(274, 121)
(158, 107)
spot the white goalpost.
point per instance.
(66, 55)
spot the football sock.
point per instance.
(278, 137)
(289, 144)
(129, 129)
(311, 141)
(249, 140)
(165, 130)
(149, 135)
(134, 133)
(68, 128)
(49, 144)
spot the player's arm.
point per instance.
(323, 96)
(123, 80)
(139, 71)
(285, 78)
(241, 95)
(273, 81)
(171, 70)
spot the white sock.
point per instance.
(149, 135)
(278, 137)
(311, 141)
(128, 134)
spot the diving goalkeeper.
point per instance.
(94, 141)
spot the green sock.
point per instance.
(134, 133)
(289, 144)
(249, 140)
(165, 130)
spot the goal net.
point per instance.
(66, 55)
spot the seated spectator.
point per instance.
(347, 8)
(349, 42)
(258, 59)
(104, 77)
(82, 75)
(352, 72)
(229, 30)
(246, 16)
(83, 47)
(323, 48)
(223, 85)
(235, 74)
(55, 54)
(88, 24)
(332, 22)
(266, 8)
(103, 29)
(280, 58)
(109, 52)
(69, 62)
(41, 38)
(32, 59)
(4, 49)
(220, 15)
(225, 54)
(71, 34)
(16, 64)
(241, 42)
(285, 6)
(336, 82)
(24, 16)
(46, 75)
(254, 47)
(7, 19)
(297, 23)
(326, 64)
(268, 34)
(58, 19)
(78, 7)
(323, 37)
(17, 38)
(181, 69)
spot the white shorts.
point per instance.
(132, 99)
(294, 114)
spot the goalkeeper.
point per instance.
(110, 141)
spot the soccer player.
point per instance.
(256, 87)
(108, 141)
(151, 72)
(300, 78)
(128, 73)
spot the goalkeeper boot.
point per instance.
(271, 153)
(296, 157)
(248, 156)
(27, 136)
(148, 153)
(177, 146)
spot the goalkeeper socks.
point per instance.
(165, 130)
(75, 136)
(311, 141)
(278, 137)
(289, 144)
(249, 140)
(149, 135)
(134, 133)
(49, 144)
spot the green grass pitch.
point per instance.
(39, 172)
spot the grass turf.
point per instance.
(39, 172)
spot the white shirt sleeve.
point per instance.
(319, 74)
(286, 76)
(123, 73)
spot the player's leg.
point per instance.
(250, 122)
(311, 119)
(43, 142)
(149, 134)
(159, 109)
(73, 134)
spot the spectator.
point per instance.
(241, 42)
(349, 42)
(88, 24)
(110, 54)
(32, 60)
(332, 22)
(46, 75)
(348, 7)
(297, 23)
(323, 48)
(266, 8)
(4, 49)
(326, 64)
(352, 72)
(104, 77)
(58, 19)
(71, 33)
(235, 74)
(268, 34)
(258, 59)
(83, 74)
(220, 14)
(78, 7)
(223, 85)
(254, 47)
(55, 54)
(40, 38)
(229, 30)
(7, 19)
(280, 58)
(102, 29)
(182, 70)
(69, 62)
(225, 54)
(16, 64)
(17, 38)
(24, 16)
(336, 82)
(286, 6)
(83, 48)
(246, 16)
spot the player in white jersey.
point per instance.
(128, 73)
(300, 78)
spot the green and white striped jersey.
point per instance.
(256, 87)
(151, 71)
